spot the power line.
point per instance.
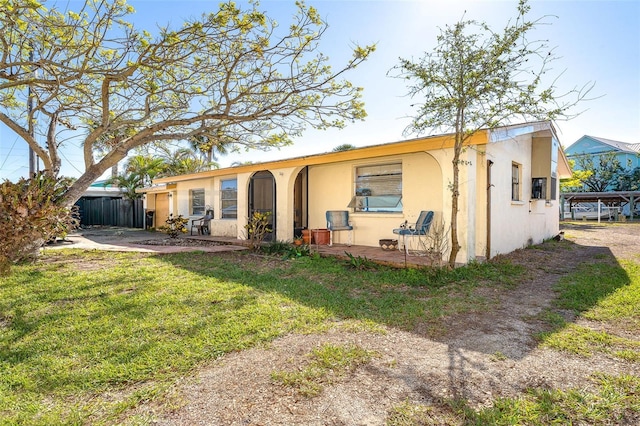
(69, 162)
(7, 157)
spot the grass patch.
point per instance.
(327, 363)
(585, 341)
(592, 284)
(498, 356)
(86, 336)
(409, 414)
(600, 292)
(610, 400)
(614, 401)
(129, 329)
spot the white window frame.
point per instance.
(224, 201)
(377, 188)
(516, 181)
(197, 209)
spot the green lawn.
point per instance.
(85, 336)
(79, 327)
(608, 295)
(605, 294)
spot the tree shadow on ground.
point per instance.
(474, 308)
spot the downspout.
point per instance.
(489, 185)
(306, 197)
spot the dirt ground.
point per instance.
(478, 357)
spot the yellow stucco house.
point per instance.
(509, 190)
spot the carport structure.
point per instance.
(611, 199)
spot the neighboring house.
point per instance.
(509, 186)
(590, 146)
(593, 147)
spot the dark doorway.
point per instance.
(262, 198)
(300, 214)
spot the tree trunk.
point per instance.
(455, 245)
(80, 186)
(455, 190)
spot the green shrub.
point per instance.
(32, 212)
(276, 247)
(174, 226)
(257, 229)
(286, 249)
(360, 262)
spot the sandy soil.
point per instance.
(477, 357)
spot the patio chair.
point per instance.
(421, 227)
(338, 220)
(201, 225)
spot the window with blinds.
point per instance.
(229, 198)
(378, 188)
(197, 201)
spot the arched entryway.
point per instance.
(300, 202)
(262, 198)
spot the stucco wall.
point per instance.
(211, 186)
(331, 187)
(517, 224)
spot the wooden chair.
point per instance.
(338, 220)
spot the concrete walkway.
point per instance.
(131, 240)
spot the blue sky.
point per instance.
(598, 41)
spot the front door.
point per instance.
(162, 210)
(262, 198)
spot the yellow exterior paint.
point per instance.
(332, 186)
(328, 183)
(405, 147)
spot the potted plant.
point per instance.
(306, 236)
(297, 241)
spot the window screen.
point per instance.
(378, 188)
(197, 201)
(229, 198)
(515, 182)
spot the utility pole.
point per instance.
(33, 159)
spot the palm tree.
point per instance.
(140, 170)
(129, 183)
(183, 161)
(208, 145)
(146, 167)
(241, 163)
(344, 147)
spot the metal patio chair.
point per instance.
(338, 220)
(421, 227)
